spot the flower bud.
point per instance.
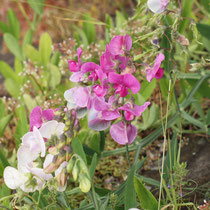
(53, 150)
(70, 165)
(84, 183)
(75, 172)
(62, 177)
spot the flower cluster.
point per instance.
(106, 91)
(103, 91)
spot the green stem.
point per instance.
(93, 195)
(7, 197)
(128, 156)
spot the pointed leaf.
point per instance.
(78, 149)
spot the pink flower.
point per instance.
(131, 112)
(155, 70)
(123, 133)
(157, 6)
(38, 116)
(124, 82)
(119, 44)
(75, 66)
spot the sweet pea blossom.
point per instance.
(38, 116)
(119, 44)
(123, 133)
(73, 65)
(130, 112)
(157, 6)
(155, 70)
(124, 82)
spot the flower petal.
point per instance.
(131, 133)
(36, 117)
(132, 83)
(115, 46)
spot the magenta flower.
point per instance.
(119, 44)
(157, 6)
(75, 66)
(107, 61)
(131, 112)
(155, 70)
(123, 133)
(38, 116)
(124, 82)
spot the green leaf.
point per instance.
(2, 108)
(13, 45)
(95, 142)
(102, 140)
(18, 67)
(37, 5)
(147, 88)
(204, 30)
(56, 58)
(7, 71)
(13, 24)
(208, 118)
(78, 149)
(22, 125)
(164, 84)
(3, 159)
(32, 53)
(12, 87)
(130, 194)
(89, 28)
(147, 200)
(55, 75)
(45, 48)
(82, 36)
(120, 20)
(29, 102)
(3, 27)
(4, 122)
(63, 200)
(5, 191)
(28, 37)
(93, 165)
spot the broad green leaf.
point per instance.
(120, 20)
(208, 118)
(4, 122)
(45, 48)
(164, 84)
(130, 194)
(2, 109)
(78, 149)
(29, 102)
(12, 87)
(93, 165)
(37, 5)
(63, 200)
(32, 53)
(147, 200)
(147, 88)
(55, 75)
(5, 191)
(13, 45)
(3, 27)
(89, 28)
(95, 142)
(28, 37)
(7, 71)
(18, 67)
(206, 4)
(204, 30)
(102, 140)
(55, 58)
(13, 24)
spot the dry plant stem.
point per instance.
(164, 143)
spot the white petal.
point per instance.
(39, 140)
(61, 167)
(48, 129)
(39, 172)
(48, 160)
(13, 178)
(155, 6)
(60, 129)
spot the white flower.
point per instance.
(157, 6)
(52, 128)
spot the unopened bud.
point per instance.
(53, 150)
(75, 172)
(62, 177)
(183, 40)
(84, 183)
(70, 165)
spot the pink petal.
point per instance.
(48, 114)
(89, 66)
(74, 66)
(110, 115)
(159, 73)
(119, 133)
(128, 42)
(115, 46)
(81, 96)
(79, 54)
(100, 104)
(115, 78)
(132, 83)
(131, 133)
(36, 117)
(76, 76)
